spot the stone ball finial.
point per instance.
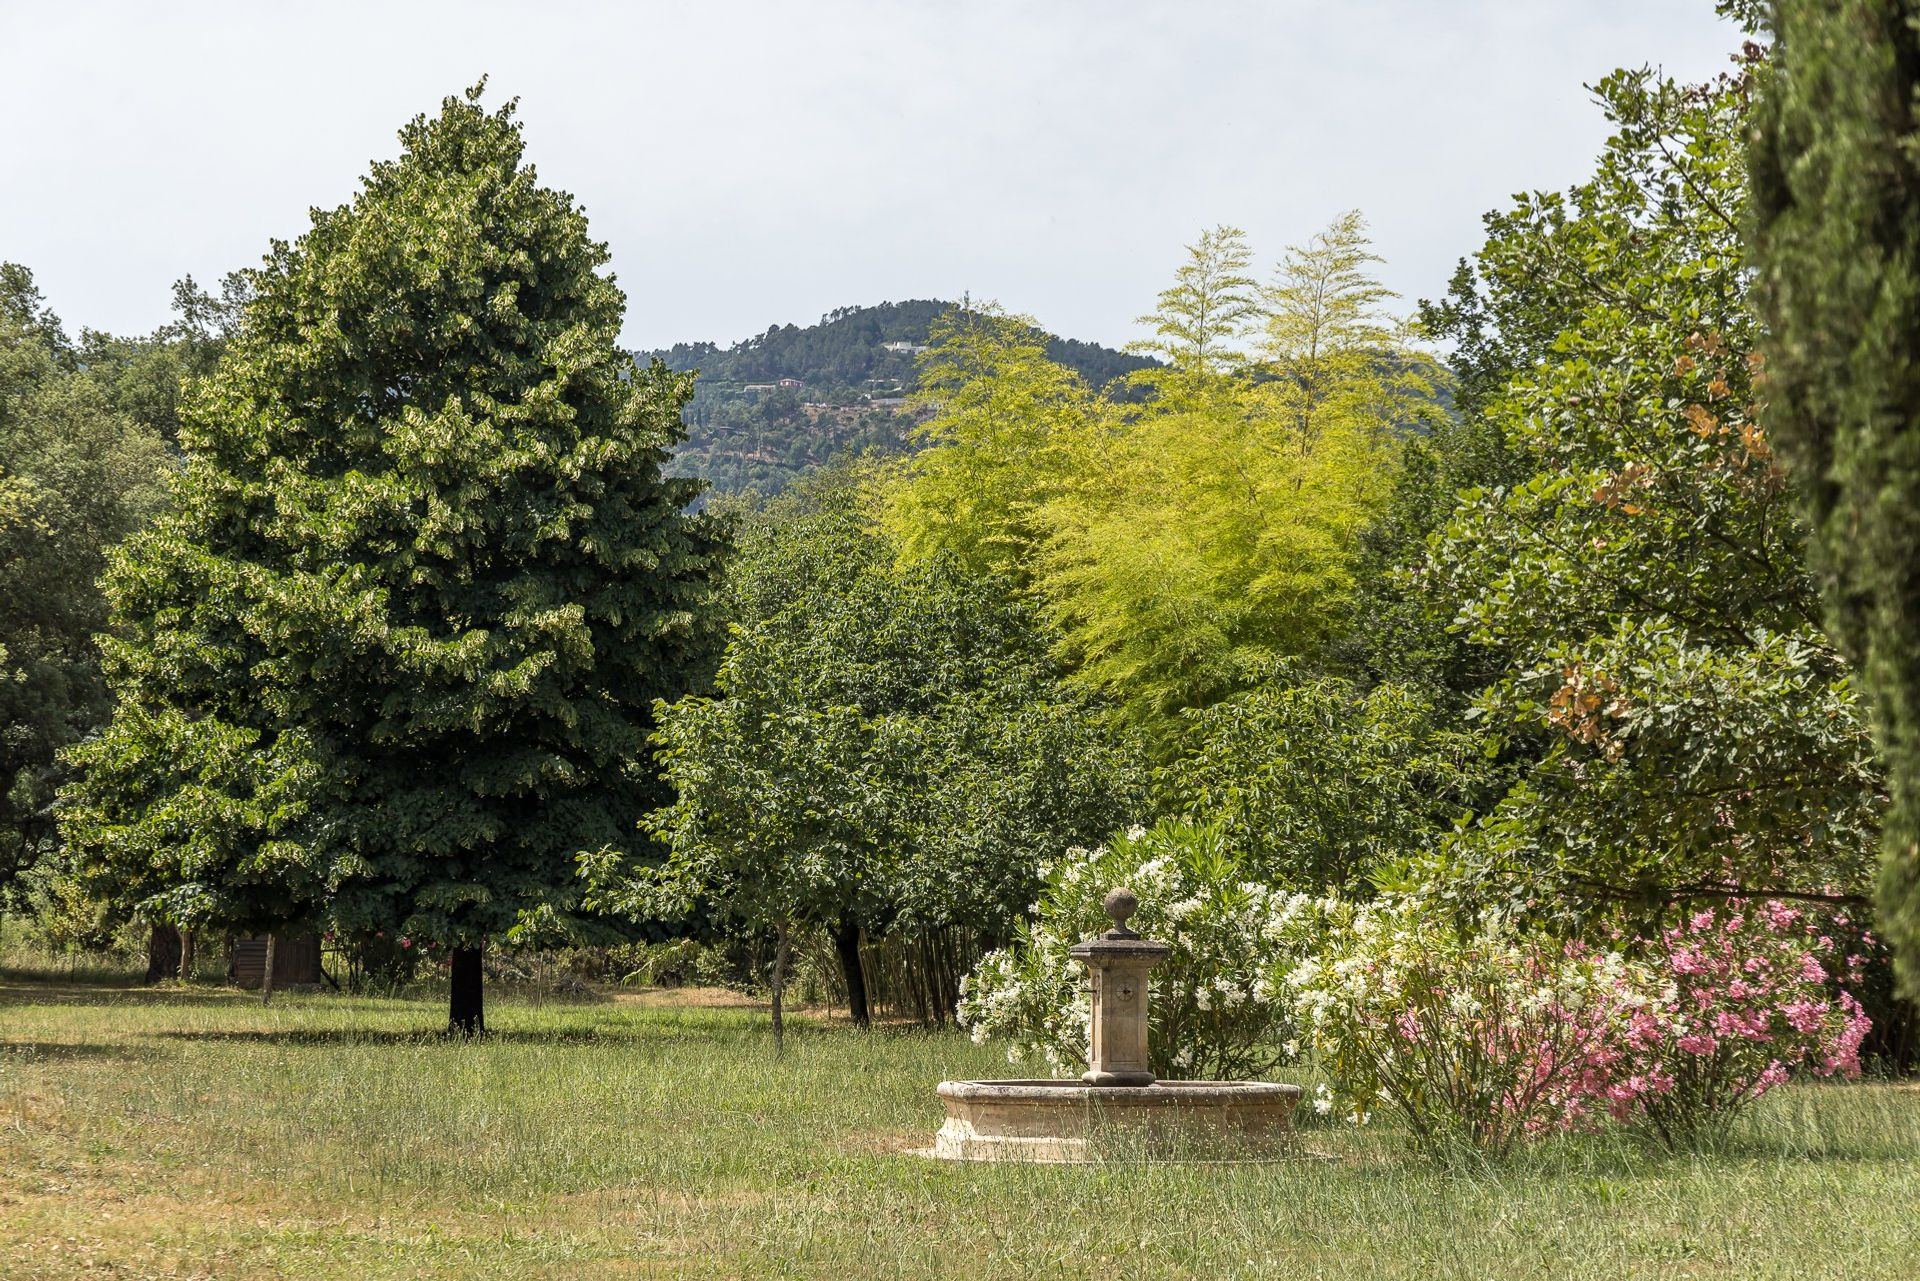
(1120, 904)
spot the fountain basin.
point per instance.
(1072, 1121)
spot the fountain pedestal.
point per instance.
(1117, 1108)
(1117, 963)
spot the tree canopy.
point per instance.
(891, 745)
(1684, 727)
(76, 476)
(1181, 536)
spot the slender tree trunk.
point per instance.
(163, 953)
(846, 943)
(266, 972)
(466, 1011)
(187, 957)
(780, 951)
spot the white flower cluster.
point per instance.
(1217, 1003)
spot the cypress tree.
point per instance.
(389, 661)
(1836, 185)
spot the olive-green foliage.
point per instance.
(146, 378)
(1836, 181)
(1317, 786)
(76, 476)
(392, 653)
(891, 743)
(1694, 732)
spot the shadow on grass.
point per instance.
(585, 1036)
(69, 1051)
(15, 990)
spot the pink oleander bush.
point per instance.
(1744, 997)
(1484, 1036)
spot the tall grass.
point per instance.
(194, 1132)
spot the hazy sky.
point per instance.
(759, 163)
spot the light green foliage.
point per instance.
(1204, 544)
(1695, 732)
(1320, 787)
(888, 743)
(1198, 319)
(1186, 531)
(391, 656)
(1216, 1012)
(1006, 433)
(1335, 356)
(1837, 193)
(76, 476)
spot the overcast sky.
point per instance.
(760, 163)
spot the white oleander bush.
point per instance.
(1216, 1011)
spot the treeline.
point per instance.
(89, 434)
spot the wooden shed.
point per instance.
(296, 959)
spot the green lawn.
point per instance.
(194, 1133)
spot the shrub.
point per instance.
(1320, 786)
(1214, 1010)
(1477, 1037)
(1741, 998)
(1481, 1037)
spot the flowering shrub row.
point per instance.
(1482, 1036)
(1477, 1038)
(1478, 1035)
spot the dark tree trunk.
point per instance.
(846, 943)
(266, 972)
(466, 1015)
(163, 953)
(187, 957)
(780, 951)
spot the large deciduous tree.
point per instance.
(390, 660)
(1836, 180)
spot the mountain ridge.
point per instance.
(767, 408)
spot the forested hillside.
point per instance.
(772, 405)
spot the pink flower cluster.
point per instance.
(1740, 998)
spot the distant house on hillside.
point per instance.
(904, 348)
(791, 382)
(759, 386)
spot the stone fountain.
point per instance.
(1116, 1108)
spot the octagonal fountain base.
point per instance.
(1071, 1121)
